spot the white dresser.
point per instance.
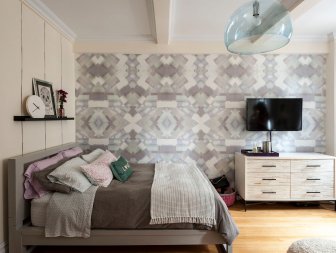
(289, 177)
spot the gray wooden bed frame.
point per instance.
(23, 236)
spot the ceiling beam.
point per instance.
(163, 20)
(302, 8)
(290, 4)
(295, 7)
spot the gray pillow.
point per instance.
(92, 156)
(42, 178)
(70, 174)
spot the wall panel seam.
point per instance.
(21, 75)
(62, 82)
(45, 77)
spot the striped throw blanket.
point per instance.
(181, 194)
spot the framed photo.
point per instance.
(44, 90)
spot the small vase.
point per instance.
(61, 113)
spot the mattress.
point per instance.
(38, 210)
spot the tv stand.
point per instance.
(289, 177)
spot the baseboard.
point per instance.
(3, 247)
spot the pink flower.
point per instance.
(62, 95)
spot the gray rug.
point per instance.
(313, 245)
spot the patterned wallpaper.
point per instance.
(192, 107)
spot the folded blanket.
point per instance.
(181, 194)
(69, 215)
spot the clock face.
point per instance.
(35, 107)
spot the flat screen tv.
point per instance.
(274, 114)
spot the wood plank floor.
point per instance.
(263, 228)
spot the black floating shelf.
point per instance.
(28, 118)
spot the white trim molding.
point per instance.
(117, 39)
(3, 247)
(310, 38)
(188, 47)
(49, 16)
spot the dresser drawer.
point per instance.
(310, 179)
(312, 192)
(312, 166)
(268, 165)
(268, 179)
(267, 193)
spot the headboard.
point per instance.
(18, 207)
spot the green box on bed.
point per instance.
(121, 169)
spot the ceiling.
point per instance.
(165, 21)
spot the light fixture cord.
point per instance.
(256, 8)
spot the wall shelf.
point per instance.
(28, 118)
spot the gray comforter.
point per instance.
(127, 206)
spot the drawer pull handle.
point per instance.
(313, 179)
(313, 166)
(269, 192)
(268, 166)
(269, 179)
(313, 192)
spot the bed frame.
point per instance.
(23, 236)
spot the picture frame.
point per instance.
(44, 90)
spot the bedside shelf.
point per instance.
(28, 118)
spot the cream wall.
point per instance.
(331, 105)
(30, 47)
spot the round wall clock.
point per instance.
(35, 107)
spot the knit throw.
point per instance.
(181, 194)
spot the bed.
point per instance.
(23, 236)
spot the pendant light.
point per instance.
(258, 27)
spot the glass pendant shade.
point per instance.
(258, 27)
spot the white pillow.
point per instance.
(71, 174)
(90, 157)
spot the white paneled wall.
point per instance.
(10, 96)
(29, 47)
(68, 83)
(53, 73)
(33, 134)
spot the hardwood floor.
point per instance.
(263, 228)
(273, 227)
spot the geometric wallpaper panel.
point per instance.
(152, 107)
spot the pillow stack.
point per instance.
(69, 171)
(33, 187)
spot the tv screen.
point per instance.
(274, 114)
